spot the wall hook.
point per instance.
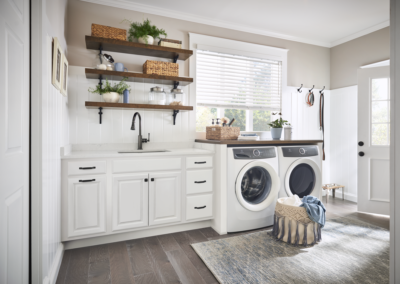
(299, 89)
(322, 90)
(311, 88)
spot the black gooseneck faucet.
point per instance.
(140, 140)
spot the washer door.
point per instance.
(302, 177)
(257, 186)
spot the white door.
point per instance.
(373, 140)
(86, 205)
(164, 198)
(130, 202)
(14, 141)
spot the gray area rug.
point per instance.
(351, 251)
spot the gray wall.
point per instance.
(307, 64)
(348, 57)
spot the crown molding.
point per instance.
(377, 64)
(129, 5)
(361, 33)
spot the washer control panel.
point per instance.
(295, 152)
(254, 153)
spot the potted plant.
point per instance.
(276, 128)
(110, 92)
(144, 32)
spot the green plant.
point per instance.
(138, 30)
(108, 88)
(279, 123)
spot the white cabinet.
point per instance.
(86, 205)
(199, 206)
(164, 198)
(199, 181)
(130, 202)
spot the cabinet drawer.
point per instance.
(142, 165)
(198, 207)
(199, 162)
(87, 167)
(199, 181)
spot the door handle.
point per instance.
(87, 168)
(361, 154)
(203, 181)
(200, 162)
(86, 180)
(360, 143)
(200, 207)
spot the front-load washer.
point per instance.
(253, 187)
(300, 171)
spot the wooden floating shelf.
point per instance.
(128, 106)
(137, 77)
(122, 46)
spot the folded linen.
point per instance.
(248, 134)
(293, 200)
(249, 138)
(315, 209)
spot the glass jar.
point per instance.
(157, 96)
(176, 97)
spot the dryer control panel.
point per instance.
(254, 153)
(295, 152)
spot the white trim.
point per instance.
(361, 33)
(55, 266)
(377, 64)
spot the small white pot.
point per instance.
(112, 97)
(150, 39)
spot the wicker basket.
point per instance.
(222, 133)
(108, 32)
(161, 68)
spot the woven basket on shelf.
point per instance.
(222, 133)
(108, 32)
(161, 68)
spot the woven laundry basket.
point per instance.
(292, 225)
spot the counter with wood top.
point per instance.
(260, 142)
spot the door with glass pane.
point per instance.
(373, 140)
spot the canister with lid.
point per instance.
(157, 96)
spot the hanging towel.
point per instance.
(315, 209)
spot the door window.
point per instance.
(380, 112)
(302, 180)
(256, 185)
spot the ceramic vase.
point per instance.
(276, 133)
(150, 39)
(111, 97)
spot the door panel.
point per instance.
(373, 140)
(14, 142)
(130, 202)
(164, 198)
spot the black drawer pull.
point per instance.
(203, 181)
(200, 162)
(87, 168)
(200, 207)
(86, 180)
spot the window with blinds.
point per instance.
(237, 82)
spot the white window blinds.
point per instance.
(237, 82)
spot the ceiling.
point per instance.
(320, 22)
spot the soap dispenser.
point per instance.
(218, 123)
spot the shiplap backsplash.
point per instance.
(116, 123)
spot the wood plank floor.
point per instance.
(167, 258)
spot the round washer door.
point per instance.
(257, 186)
(302, 178)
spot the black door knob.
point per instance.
(361, 154)
(360, 143)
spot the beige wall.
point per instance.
(348, 57)
(307, 64)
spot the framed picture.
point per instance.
(64, 76)
(57, 61)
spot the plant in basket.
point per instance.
(144, 32)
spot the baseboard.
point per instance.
(136, 235)
(55, 266)
(338, 194)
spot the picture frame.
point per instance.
(57, 63)
(64, 76)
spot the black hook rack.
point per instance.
(322, 90)
(299, 89)
(311, 88)
(175, 112)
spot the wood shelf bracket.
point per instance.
(174, 113)
(176, 58)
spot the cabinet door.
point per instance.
(130, 202)
(164, 198)
(86, 205)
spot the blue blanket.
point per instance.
(315, 209)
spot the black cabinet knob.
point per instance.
(360, 143)
(361, 154)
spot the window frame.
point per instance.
(228, 46)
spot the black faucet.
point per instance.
(140, 140)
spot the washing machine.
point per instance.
(253, 187)
(300, 171)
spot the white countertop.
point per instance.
(115, 154)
